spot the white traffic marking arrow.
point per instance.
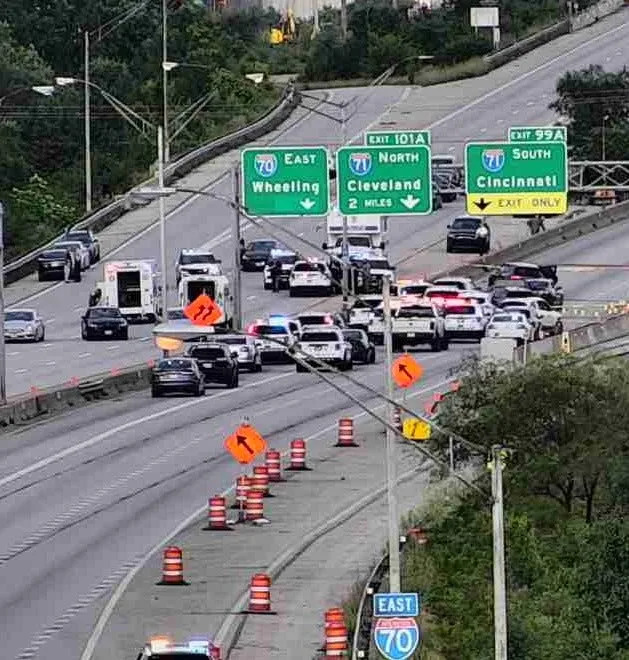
(409, 201)
(307, 203)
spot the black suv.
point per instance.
(256, 254)
(468, 233)
(52, 264)
(362, 349)
(217, 363)
(104, 323)
(523, 271)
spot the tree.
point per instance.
(565, 422)
(593, 100)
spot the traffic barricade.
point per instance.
(297, 455)
(273, 463)
(217, 514)
(260, 595)
(261, 480)
(346, 433)
(172, 567)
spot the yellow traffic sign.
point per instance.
(415, 429)
(514, 203)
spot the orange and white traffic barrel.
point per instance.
(297, 455)
(255, 505)
(261, 480)
(346, 433)
(217, 514)
(333, 615)
(336, 640)
(273, 462)
(260, 594)
(419, 535)
(242, 486)
(172, 566)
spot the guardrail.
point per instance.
(105, 216)
(582, 226)
(25, 408)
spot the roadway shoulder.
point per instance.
(219, 565)
(425, 105)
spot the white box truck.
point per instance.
(217, 287)
(363, 232)
(133, 287)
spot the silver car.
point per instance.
(81, 250)
(23, 325)
(248, 349)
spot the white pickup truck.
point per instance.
(418, 324)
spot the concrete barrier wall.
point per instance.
(41, 403)
(593, 13)
(524, 46)
(102, 218)
(582, 226)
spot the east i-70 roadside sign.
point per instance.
(507, 178)
(538, 134)
(396, 138)
(385, 180)
(285, 181)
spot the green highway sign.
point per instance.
(396, 138)
(538, 134)
(285, 182)
(508, 178)
(384, 180)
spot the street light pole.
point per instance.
(3, 363)
(236, 242)
(394, 528)
(165, 78)
(162, 219)
(88, 137)
(344, 246)
(500, 587)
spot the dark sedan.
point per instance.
(217, 363)
(256, 254)
(468, 233)
(104, 323)
(362, 349)
(178, 375)
(53, 264)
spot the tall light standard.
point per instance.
(165, 79)
(605, 120)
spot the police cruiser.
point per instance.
(325, 344)
(273, 337)
(166, 649)
(287, 259)
(464, 320)
(311, 276)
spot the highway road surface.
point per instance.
(83, 496)
(482, 110)
(86, 494)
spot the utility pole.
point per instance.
(3, 354)
(162, 219)
(88, 136)
(394, 528)
(344, 19)
(236, 242)
(500, 587)
(315, 14)
(345, 247)
(165, 79)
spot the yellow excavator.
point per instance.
(284, 30)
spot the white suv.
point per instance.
(326, 344)
(308, 277)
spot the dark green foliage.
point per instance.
(45, 136)
(567, 563)
(594, 101)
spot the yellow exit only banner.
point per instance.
(514, 203)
